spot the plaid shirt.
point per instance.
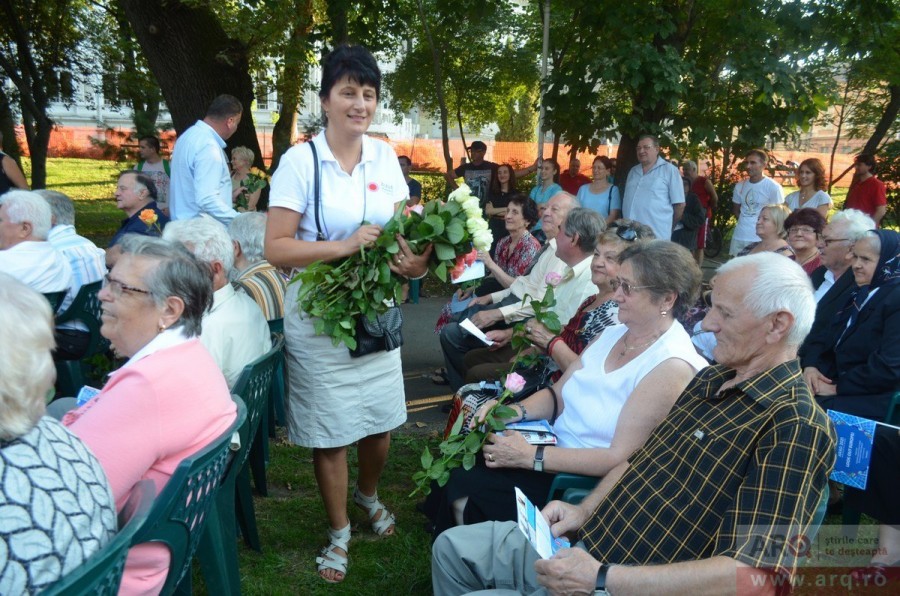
(721, 475)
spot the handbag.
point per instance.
(467, 400)
(384, 333)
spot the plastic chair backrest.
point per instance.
(55, 299)
(253, 387)
(101, 574)
(276, 326)
(182, 507)
(86, 309)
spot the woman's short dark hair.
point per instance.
(528, 207)
(665, 267)
(607, 162)
(495, 181)
(179, 274)
(806, 217)
(152, 141)
(354, 62)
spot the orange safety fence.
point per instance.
(426, 154)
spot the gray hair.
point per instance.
(205, 237)
(689, 164)
(143, 181)
(61, 207)
(244, 153)
(574, 203)
(249, 231)
(26, 340)
(780, 285)
(178, 274)
(28, 206)
(855, 222)
(587, 224)
(653, 138)
(665, 267)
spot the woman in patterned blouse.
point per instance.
(517, 251)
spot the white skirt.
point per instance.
(334, 400)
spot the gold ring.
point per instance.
(490, 457)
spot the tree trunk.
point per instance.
(290, 85)
(888, 117)
(626, 158)
(439, 79)
(194, 61)
(841, 116)
(10, 145)
(462, 134)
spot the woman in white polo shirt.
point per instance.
(333, 400)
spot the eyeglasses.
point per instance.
(801, 230)
(828, 241)
(627, 288)
(117, 287)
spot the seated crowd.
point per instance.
(703, 437)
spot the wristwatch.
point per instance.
(601, 578)
(539, 459)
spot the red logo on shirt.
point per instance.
(373, 186)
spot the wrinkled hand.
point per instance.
(818, 383)
(563, 518)
(569, 571)
(538, 334)
(500, 337)
(364, 236)
(484, 300)
(462, 294)
(485, 318)
(486, 257)
(508, 450)
(481, 413)
(408, 264)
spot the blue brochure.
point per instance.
(854, 448)
(536, 529)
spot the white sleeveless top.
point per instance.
(594, 398)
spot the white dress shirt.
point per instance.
(200, 180)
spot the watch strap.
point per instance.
(539, 459)
(601, 577)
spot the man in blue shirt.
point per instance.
(135, 192)
(201, 182)
(654, 194)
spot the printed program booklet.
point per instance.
(854, 448)
(536, 529)
(536, 432)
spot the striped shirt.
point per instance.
(266, 286)
(88, 263)
(722, 475)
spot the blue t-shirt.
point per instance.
(542, 196)
(602, 203)
(134, 225)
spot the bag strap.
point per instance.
(316, 190)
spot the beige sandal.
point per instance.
(381, 519)
(329, 559)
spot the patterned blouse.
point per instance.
(515, 262)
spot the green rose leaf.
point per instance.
(444, 252)
(455, 232)
(468, 461)
(426, 458)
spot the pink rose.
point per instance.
(471, 257)
(553, 278)
(514, 382)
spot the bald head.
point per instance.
(556, 211)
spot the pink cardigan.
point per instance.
(149, 417)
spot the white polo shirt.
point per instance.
(369, 194)
(200, 180)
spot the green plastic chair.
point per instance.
(571, 488)
(101, 574)
(55, 299)
(276, 404)
(85, 309)
(218, 547)
(182, 509)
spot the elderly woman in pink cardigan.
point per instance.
(169, 400)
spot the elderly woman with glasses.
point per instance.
(607, 402)
(169, 400)
(56, 503)
(804, 227)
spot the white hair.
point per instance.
(689, 164)
(855, 221)
(249, 230)
(205, 237)
(26, 339)
(28, 206)
(780, 284)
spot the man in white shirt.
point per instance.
(234, 331)
(575, 241)
(200, 181)
(654, 191)
(750, 196)
(24, 251)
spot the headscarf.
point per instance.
(887, 273)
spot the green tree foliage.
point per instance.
(484, 66)
(710, 73)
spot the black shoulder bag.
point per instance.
(385, 332)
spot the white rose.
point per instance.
(461, 194)
(482, 239)
(471, 203)
(474, 224)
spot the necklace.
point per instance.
(628, 348)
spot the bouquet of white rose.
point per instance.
(338, 293)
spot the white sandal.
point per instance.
(328, 559)
(379, 516)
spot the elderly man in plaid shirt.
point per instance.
(713, 500)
